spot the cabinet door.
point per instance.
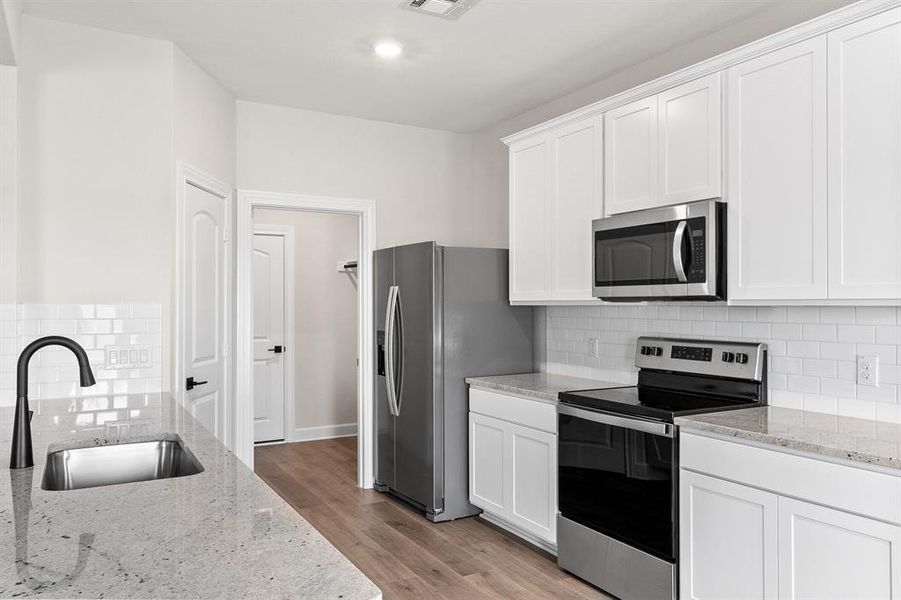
(865, 158)
(776, 179)
(487, 438)
(826, 553)
(630, 156)
(689, 167)
(532, 463)
(529, 220)
(728, 539)
(576, 176)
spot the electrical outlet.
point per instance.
(868, 370)
(593, 347)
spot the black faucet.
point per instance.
(21, 456)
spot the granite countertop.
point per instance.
(220, 533)
(858, 440)
(541, 386)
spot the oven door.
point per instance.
(669, 252)
(618, 475)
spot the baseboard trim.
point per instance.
(519, 532)
(323, 432)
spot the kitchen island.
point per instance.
(219, 533)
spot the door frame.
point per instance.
(365, 210)
(186, 175)
(286, 232)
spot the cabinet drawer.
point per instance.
(847, 487)
(515, 409)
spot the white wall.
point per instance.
(325, 318)
(95, 130)
(420, 179)
(8, 183)
(204, 120)
(103, 118)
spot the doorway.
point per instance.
(326, 356)
(304, 325)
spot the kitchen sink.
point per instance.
(94, 466)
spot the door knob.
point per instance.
(277, 349)
(190, 384)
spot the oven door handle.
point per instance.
(652, 427)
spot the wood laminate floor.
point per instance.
(405, 555)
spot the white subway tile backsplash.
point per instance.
(837, 314)
(838, 351)
(54, 372)
(813, 350)
(804, 314)
(787, 331)
(760, 331)
(819, 368)
(794, 366)
(876, 315)
(728, 329)
(113, 311)
(860, 334)
(822, 333)
(888, 335)
(804, 349)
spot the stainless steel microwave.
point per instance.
(671, 253)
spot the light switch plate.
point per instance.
(593, 347)
(135, 356)
(868, 370)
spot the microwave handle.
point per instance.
(677, 251)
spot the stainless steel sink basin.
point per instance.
(93, 466)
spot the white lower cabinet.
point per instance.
(747, 539)
(828, 553)
(486, 475)
(513, 464)
(728, 541)
(533, 474)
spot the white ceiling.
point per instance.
(501, 58)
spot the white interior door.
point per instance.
(269, 360)
(203, 311)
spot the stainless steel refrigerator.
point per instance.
(442, 314)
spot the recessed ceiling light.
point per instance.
(388, 49)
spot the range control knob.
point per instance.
(658, 351)
(728, 357)
(741, 358)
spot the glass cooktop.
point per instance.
(654, 403)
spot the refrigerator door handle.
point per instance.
(399, 376)
(389, 350)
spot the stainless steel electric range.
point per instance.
(618, 460)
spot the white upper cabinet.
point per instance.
(776, 174)
(630, 156)
(530, 189)
(665, 149)
(690, 161)
(865, 158)
(555, 192)
(576, 179)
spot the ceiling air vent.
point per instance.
(446, 9)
